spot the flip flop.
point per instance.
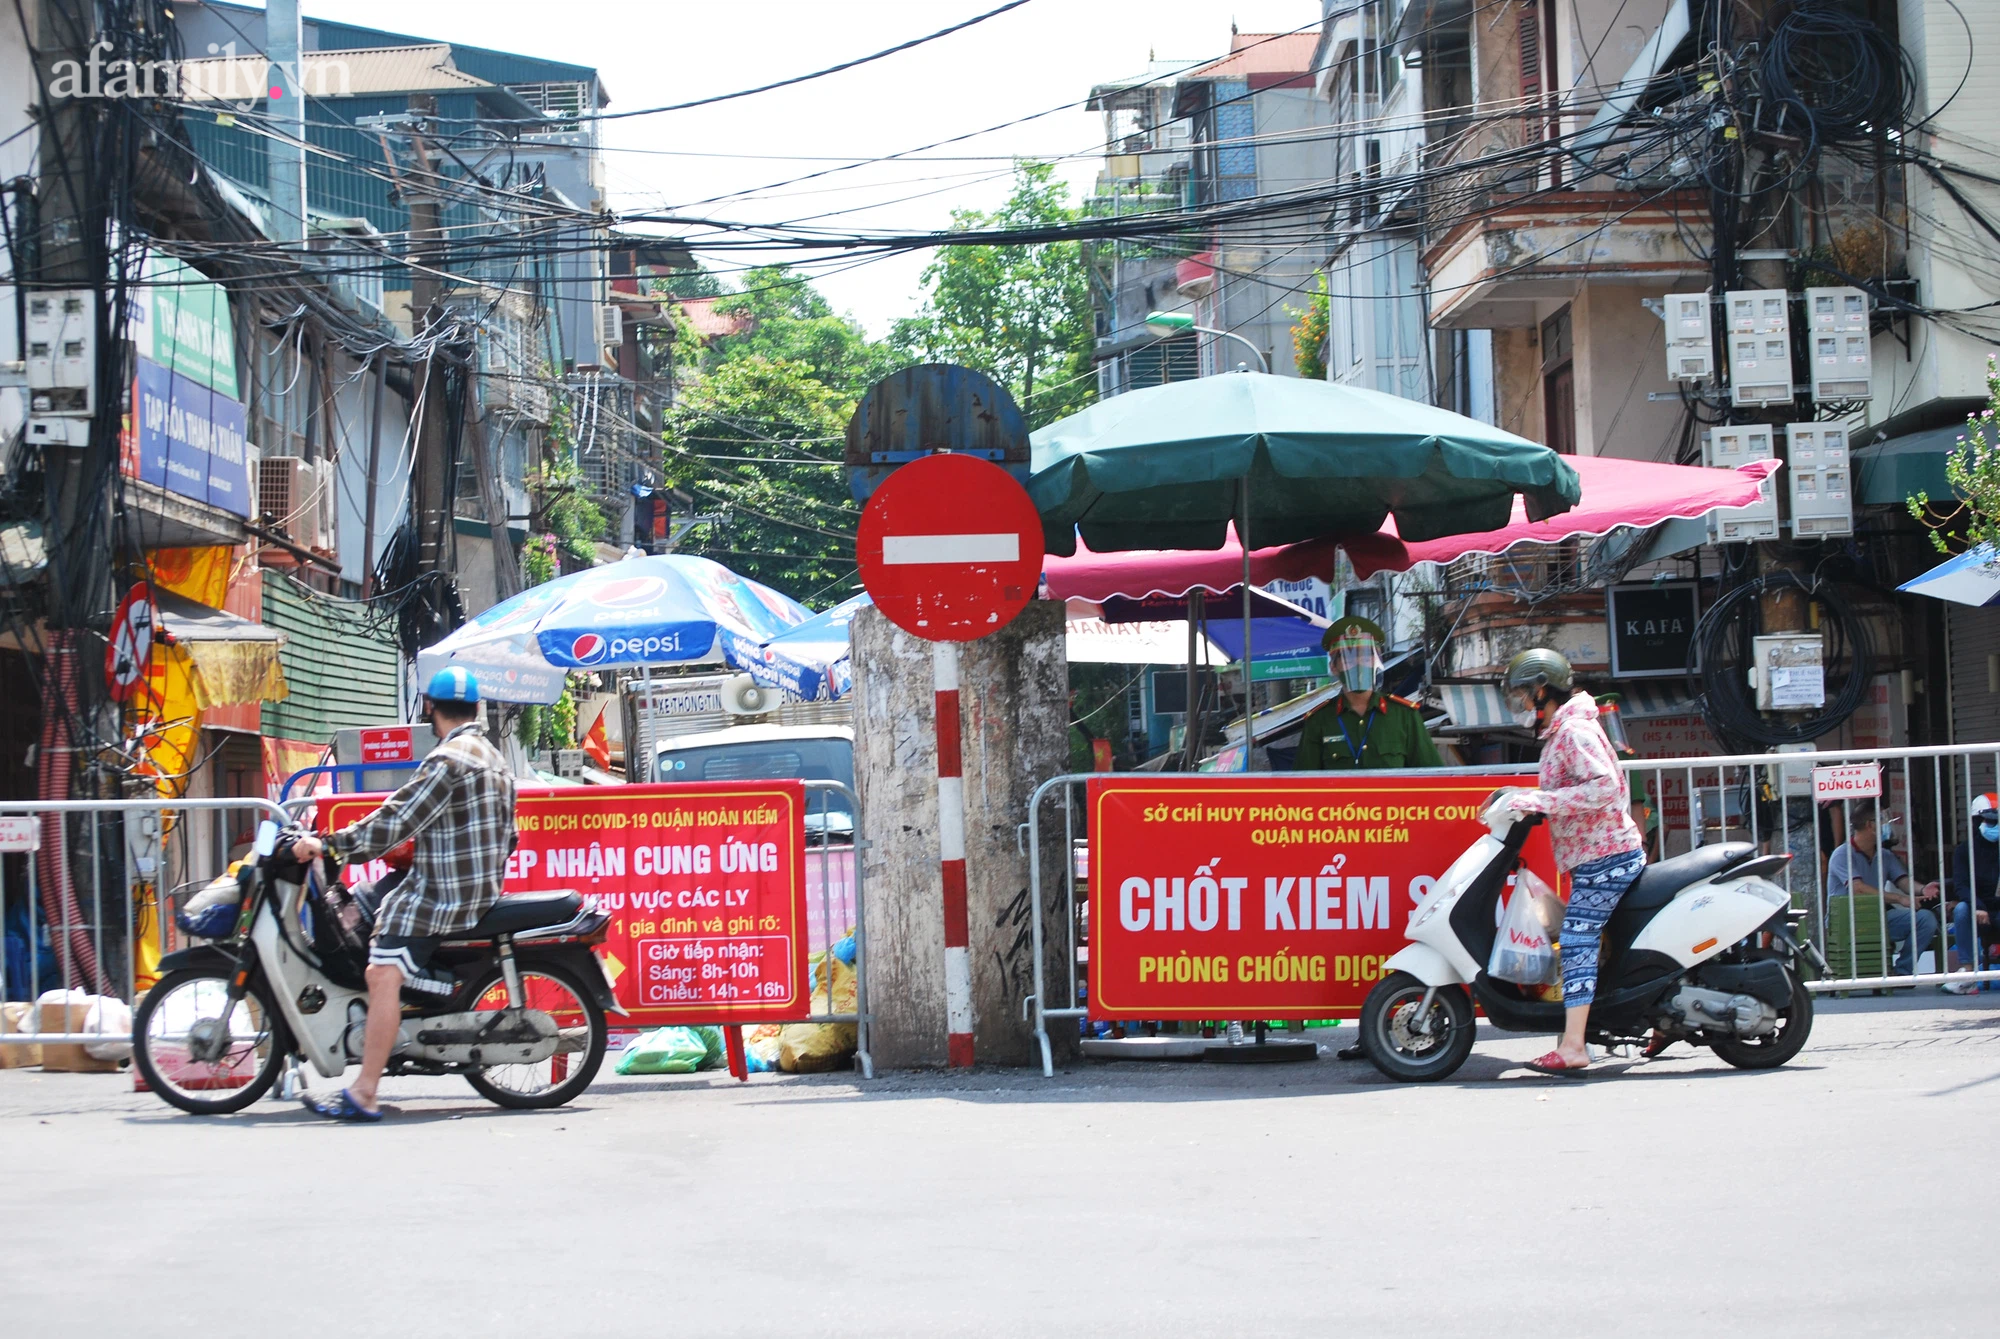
(341, 1107)
(1554, 1064)
(1660, 1041)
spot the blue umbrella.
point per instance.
(810, 660)
(671, 609)
(1973, 578)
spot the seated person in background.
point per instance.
(1862, 864)
(1975, 887)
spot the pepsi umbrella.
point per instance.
(810, 660)
(671, 609)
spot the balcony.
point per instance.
(1508, 251)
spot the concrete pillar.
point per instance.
(1014, 690)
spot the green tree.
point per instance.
(791, 322)
(1973, 470)
(756, 441)
(1019, 313)
(1310, 328)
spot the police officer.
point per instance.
(1363, 727)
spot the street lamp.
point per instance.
(1174, 323)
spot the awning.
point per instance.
(1617, 494)
(1474, 706)
(1972, 578)
(233, 660)
(1890, 473)
(1641, 699)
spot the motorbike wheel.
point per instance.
(197, 1060)
(1794, 1026)
(554, 1081)
(1398, 1047)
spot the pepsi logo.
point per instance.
(588, 649)
(625, 592)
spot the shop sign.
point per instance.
(1282, 899)
(1652, 628)
(189, 440)
(705, 883)
(181, 322)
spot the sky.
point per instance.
(1040, 56)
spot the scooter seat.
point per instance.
(521, 912)
(1657, 884)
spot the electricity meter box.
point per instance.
(1838, 340)
(1819, 477)
(1788, 670)
(1730, 448)
(60, 353)
(1690, 346)
(1760, 346)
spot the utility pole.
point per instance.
(286, 151)
(434, 533)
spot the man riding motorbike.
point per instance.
(459, 807)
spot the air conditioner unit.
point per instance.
(295, 496)
(610, 325)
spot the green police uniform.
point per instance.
(1392, 735)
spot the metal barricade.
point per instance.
(1765, 799)
(1069, 788)
(136, 849)
(832, 894)
(1872, 938)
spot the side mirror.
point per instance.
(267, 839)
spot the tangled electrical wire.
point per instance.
(1720, 655)
(1836, 77)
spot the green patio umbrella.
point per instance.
(1172, 466)
(1283, 459)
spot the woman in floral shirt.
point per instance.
(1588, 804)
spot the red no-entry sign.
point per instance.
(950, 548)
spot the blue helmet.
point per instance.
(454, 684)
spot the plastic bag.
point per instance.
(810, 1048)
(666, 1050)
(1522, 952)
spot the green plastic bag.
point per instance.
(667, 1050)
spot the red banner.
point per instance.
(705, 883)
(1267, 899)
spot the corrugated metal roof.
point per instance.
(1252, 54)
(342, 671)
(332, 74)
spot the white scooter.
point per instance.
(1701, 948)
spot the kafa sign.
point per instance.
(1273, 900)
(189, 440)
(705, 883)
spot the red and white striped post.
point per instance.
(951, 858)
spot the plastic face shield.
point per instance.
(1356, 661)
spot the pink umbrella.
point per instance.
(1616, 493)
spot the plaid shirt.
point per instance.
(460, 808)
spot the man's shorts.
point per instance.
(411, 955)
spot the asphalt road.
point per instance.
(1848, 1194)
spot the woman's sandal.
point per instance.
(1660, 1041)
(1553, 1063)
(341, 1107)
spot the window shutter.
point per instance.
(1531, 51)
